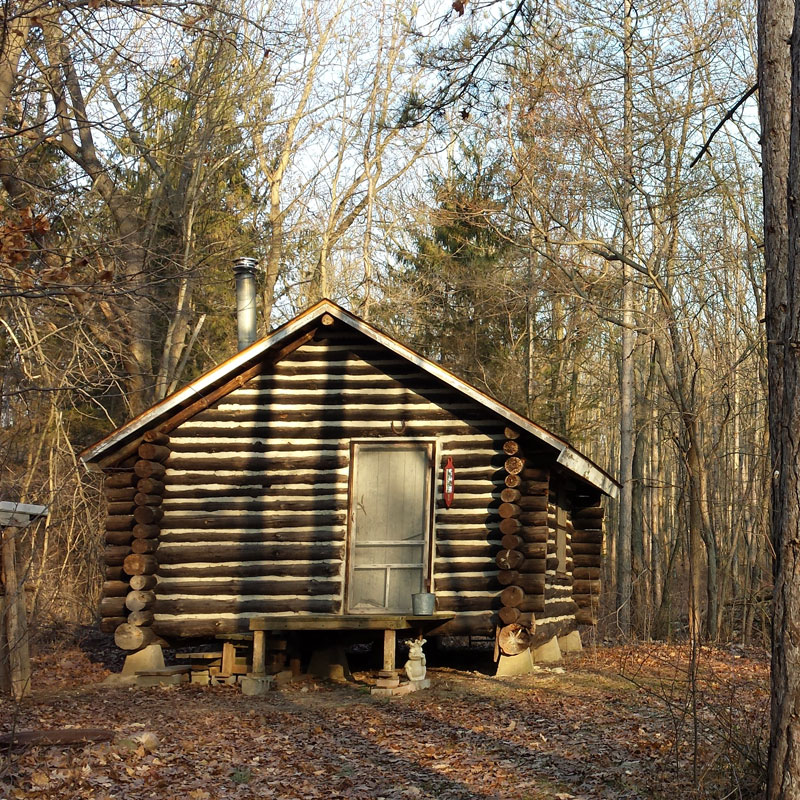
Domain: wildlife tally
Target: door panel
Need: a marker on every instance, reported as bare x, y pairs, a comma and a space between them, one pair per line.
390, 515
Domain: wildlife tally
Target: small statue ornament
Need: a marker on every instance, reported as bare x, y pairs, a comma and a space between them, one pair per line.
415, 666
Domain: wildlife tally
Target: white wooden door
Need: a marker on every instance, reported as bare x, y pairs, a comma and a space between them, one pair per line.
390, 524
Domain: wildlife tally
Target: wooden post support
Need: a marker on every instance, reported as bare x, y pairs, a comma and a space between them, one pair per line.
259, 653
389, 645
19, 660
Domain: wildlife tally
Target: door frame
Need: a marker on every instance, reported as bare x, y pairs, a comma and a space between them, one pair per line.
429, 547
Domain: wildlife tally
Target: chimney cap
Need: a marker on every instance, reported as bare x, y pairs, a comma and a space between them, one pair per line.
245, 264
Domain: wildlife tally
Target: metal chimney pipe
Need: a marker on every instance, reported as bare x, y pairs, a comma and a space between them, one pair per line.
244, 270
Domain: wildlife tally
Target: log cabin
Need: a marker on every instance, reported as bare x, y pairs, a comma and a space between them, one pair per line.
324, 475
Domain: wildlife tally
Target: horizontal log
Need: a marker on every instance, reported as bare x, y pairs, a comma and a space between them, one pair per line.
341, 414
508, 559
112, 607
586, 616
466, 583
110, 624
509, 614
120, 480
148, 515
511, 542
587, 587
586, 561
142, 499
509, 510
263, 551
510, 525
532, 503
118, 537
533, 518
120, 507
153, 452
140, 618
586, 548
114, 573
150, 486
513, 639
222, 522
115, 588
122, 522
510, 495
313, 605
533, 550
288, 534
487, 602
120, 495
593, 513
140, 600
586, 573
133, 637
144, 545
532, 565
140, 564
536, 474
114, 555
319, 569
143, 582
586, 525
514, 465
534, 533
512, 481
511, 447
453, 550
146, 531
587, 537
156, 437
511, 433
512, 596
263, 586
586, 600
535, 488
531, 583
149, 469
479, 534
246, 505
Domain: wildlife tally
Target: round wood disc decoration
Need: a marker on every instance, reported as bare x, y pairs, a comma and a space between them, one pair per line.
449, 482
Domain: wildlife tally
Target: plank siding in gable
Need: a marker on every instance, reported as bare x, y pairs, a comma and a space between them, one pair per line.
255, 502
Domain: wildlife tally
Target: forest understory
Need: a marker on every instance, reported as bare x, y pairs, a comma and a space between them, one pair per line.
613, 722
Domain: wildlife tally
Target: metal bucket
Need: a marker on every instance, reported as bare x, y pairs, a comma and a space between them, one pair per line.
423, 604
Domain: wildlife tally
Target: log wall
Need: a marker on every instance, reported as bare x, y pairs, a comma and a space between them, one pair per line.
587, 537
256, 490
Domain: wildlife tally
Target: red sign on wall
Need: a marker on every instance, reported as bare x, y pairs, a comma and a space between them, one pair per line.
449, 482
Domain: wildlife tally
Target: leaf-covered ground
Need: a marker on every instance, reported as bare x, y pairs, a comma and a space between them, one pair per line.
612, 723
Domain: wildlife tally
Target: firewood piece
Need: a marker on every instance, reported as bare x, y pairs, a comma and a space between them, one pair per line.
118, 537
156, 437
150, 469
142, 499
143, 582
146, 531
147, 515
508, 510
115, 555
56, 736
513, 639
509, 559
140, 618
150, 486
115, 588
511, 448
140, 564
110, 624
133, 637
514, 465
120, 480
119, 523
112, 607
153, 452
512, 596
144, 545
139, 600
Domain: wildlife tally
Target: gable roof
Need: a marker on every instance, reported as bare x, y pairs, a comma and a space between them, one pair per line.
106, 451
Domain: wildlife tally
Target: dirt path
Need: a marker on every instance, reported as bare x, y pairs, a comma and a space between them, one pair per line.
583, 732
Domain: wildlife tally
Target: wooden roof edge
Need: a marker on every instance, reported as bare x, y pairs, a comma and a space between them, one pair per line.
571, 459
